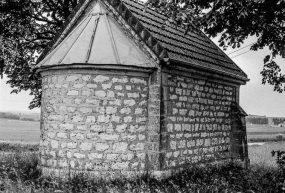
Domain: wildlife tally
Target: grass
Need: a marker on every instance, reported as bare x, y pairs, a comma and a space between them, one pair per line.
265, 138
19, 131
19, 172
261, 155
18, 147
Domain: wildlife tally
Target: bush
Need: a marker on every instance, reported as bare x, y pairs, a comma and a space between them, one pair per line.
19, 147
279, 137
20, 172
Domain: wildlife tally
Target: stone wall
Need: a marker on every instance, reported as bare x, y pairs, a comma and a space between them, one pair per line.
93, 121
196, 120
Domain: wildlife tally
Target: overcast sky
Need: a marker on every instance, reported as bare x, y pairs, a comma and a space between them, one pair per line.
255, 98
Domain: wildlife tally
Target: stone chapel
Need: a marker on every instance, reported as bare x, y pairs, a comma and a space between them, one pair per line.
123, 92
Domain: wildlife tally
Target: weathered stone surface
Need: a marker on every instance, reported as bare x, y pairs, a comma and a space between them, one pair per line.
101, 146
101, 78
85, 146
195, 118
105, 122
72, 93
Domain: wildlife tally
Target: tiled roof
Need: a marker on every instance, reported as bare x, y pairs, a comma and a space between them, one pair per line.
169, 42
193, 49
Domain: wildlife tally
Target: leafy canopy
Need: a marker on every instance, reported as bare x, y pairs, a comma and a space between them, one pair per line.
27, 26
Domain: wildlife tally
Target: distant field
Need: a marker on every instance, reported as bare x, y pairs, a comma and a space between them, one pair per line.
19, 131
252, 129
263, 133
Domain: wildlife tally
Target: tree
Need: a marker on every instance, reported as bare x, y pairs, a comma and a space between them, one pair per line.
29, 25
235, 20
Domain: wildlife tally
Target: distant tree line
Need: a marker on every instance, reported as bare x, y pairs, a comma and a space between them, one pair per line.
264, 120
9, 116
6, 115
277, 121
257, 120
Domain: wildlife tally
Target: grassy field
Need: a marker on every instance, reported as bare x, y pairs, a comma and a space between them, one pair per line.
19, 131
19, 172
262, 133
261, 154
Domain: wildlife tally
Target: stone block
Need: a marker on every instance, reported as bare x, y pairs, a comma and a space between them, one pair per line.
121, 128
100, 93
66, 126
79, 155
141, 119
91, 85
110, 94
78, 101
93, 136
125, 110
137, 147
112, 156
92, 156
106, 86
138, 81
82, 127
78, 85
101, 78
51, 135
86, 93
111, 110
71, 145
120, 165
85, 146
90, 119
72, 78
62, 135
72, 93
103, 119
115, 118
109, 137
120, 146
133, 95
97, 128
127, 156
54, 144
120, 80
85, 110
77, 118
63, 163
118, 87
129, 102
76, 136
102, 146
93, 101
128, 119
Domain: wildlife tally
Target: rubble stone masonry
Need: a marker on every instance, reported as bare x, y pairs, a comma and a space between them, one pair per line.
116, 120
93, 121
196, 123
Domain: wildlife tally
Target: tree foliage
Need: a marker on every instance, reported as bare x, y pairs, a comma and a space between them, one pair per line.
27, 26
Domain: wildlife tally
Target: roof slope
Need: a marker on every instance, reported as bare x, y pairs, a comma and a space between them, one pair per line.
97, 39
192, 49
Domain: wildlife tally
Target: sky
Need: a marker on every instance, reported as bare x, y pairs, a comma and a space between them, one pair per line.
255, 98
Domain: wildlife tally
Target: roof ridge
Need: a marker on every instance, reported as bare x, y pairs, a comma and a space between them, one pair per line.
145, 35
